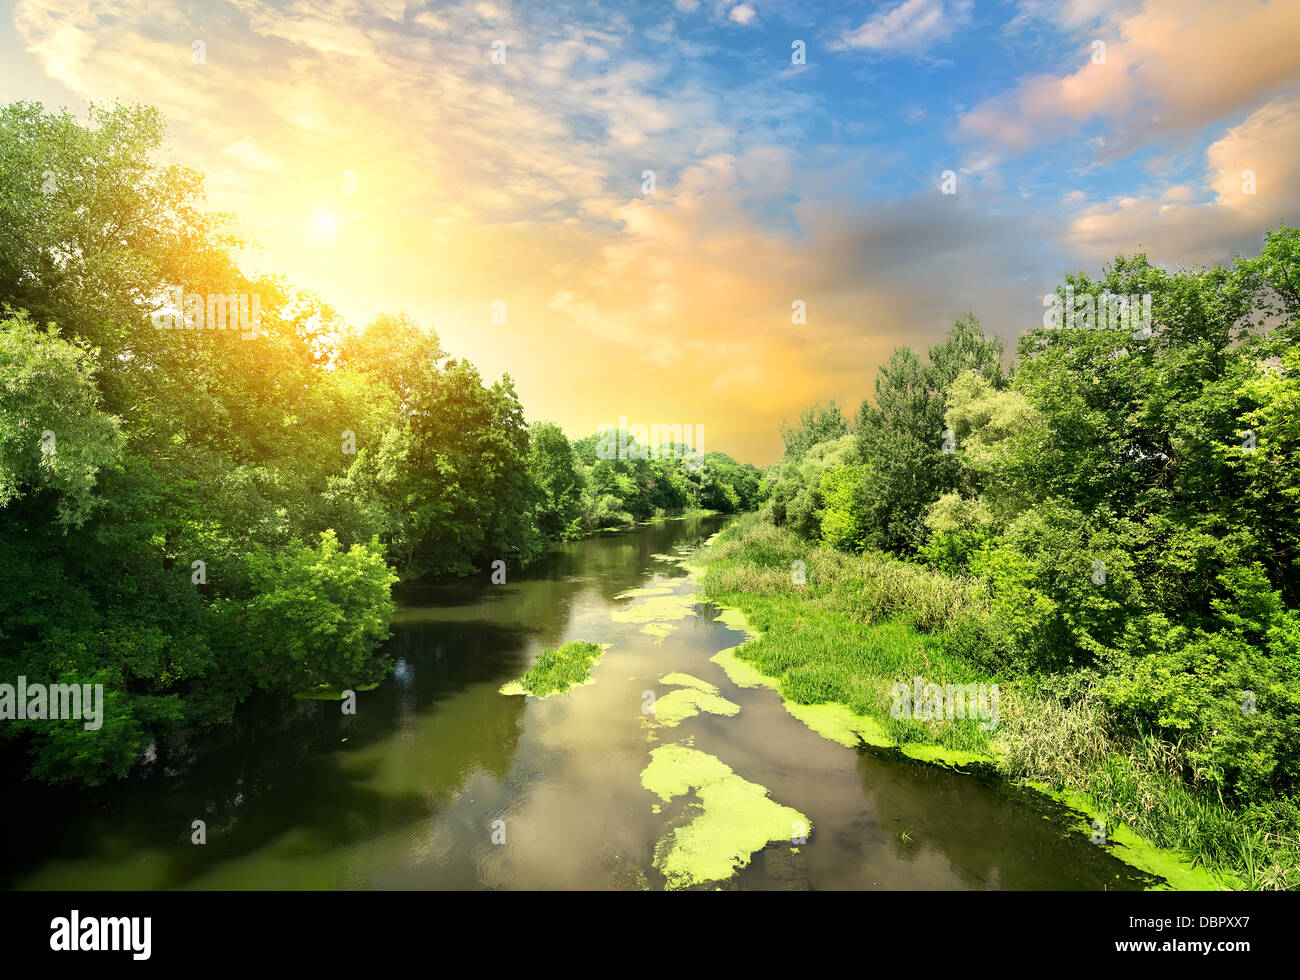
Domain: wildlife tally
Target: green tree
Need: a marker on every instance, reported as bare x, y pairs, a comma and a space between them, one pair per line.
53, 435
553, 466
318, 616
816, 424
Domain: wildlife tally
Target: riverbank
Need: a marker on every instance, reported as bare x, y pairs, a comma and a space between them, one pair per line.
834, 634
656, 770
673, 515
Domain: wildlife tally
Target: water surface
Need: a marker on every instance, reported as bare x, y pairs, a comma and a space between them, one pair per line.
407, 793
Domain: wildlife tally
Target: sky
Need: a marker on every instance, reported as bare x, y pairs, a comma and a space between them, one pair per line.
883, 167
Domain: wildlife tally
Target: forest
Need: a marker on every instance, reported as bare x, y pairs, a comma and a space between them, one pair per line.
1107, 523
191, 515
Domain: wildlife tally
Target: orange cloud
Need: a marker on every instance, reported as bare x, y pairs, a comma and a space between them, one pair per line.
1165, 71
1254, 173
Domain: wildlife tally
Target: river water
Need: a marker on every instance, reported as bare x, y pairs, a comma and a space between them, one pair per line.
441, 782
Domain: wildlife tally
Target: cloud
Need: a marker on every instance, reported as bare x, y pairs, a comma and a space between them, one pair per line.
1068, 14
521, 182
911, 27
250, 155
1165, 72
742, 13
1205, 224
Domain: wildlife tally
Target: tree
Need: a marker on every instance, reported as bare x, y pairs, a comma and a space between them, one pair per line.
53, 435
318, 617
816, 424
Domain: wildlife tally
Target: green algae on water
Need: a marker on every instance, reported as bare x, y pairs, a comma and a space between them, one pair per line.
678, 679
834, 721
327, 693
1136, 851
734, 619
693, 697
942, 755
840, 724
738, 817
740, 672
555, 671
660, 608
649, 590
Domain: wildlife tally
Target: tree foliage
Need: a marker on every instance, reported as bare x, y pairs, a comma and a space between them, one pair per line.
189, 515
1129, 501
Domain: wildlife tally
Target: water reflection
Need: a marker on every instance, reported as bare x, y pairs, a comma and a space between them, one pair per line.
407, 792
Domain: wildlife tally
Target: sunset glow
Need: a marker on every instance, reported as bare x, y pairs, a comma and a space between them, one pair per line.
467, 181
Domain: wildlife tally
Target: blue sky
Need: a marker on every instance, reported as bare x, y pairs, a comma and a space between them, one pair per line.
521, 182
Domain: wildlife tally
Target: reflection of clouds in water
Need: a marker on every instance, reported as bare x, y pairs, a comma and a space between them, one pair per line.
402, 673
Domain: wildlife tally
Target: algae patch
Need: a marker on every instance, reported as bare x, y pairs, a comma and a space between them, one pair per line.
740, 672
658, 630
657, 609
834, 721
327, 693
679, 679
1135, 851
734, 619
839, 724
693, 697
943, 756
738, 817
555, 671
649, 590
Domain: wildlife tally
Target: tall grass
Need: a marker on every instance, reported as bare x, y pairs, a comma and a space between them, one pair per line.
851, 631
860, 623
1143, 782
560, 669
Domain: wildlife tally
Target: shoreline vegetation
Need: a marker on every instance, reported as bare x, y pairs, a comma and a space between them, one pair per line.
851, 726
1104, 527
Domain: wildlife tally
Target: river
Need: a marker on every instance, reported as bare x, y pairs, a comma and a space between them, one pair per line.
441, 782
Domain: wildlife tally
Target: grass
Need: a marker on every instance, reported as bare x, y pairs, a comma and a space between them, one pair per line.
843, 637
861, 623
555, 671
1140, 782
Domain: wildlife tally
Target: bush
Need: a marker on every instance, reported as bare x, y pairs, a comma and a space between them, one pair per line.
319, 617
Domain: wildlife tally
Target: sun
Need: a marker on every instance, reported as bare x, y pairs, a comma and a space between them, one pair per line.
326, 226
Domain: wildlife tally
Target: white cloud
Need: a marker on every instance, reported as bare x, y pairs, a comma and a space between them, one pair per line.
910, 28
1182, 223
743, 13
